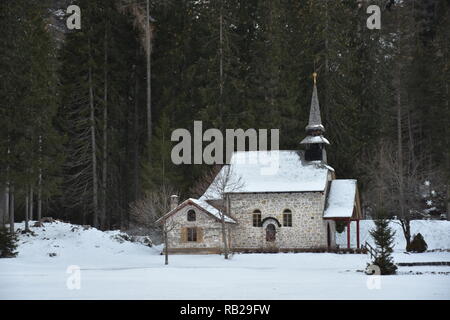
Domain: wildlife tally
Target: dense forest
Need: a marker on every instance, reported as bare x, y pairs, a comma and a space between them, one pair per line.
86, 115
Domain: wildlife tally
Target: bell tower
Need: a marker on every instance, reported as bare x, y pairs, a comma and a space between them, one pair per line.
315, 141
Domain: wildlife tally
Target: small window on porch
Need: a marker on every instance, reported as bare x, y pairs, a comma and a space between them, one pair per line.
191, 215
257, 218
192, 234
287, 218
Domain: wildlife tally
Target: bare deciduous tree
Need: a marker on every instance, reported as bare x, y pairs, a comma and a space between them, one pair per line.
220, 184
168, 225
152, 206
385, 180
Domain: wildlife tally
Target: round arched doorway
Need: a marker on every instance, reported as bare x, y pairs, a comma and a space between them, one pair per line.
270, 232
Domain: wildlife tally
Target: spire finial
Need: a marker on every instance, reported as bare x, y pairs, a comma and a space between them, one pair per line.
315, 77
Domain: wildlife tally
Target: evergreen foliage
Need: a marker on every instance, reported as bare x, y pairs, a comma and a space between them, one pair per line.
8, 243
340, 226
30, 143
383, 236
73, 115
418, 244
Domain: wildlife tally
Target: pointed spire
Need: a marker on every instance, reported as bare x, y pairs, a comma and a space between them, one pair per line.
315, 141
315, 121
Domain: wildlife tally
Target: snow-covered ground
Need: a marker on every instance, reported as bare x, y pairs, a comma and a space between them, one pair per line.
110, 269
435, 232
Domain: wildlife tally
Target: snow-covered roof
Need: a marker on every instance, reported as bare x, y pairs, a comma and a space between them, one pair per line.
212, 210
315, 139
205, 206
271, 171
341, 199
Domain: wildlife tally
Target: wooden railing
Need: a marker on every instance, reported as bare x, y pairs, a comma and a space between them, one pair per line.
371, 250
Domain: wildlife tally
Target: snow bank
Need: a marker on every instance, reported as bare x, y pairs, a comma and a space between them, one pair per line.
114, 269
435, 232
69, 241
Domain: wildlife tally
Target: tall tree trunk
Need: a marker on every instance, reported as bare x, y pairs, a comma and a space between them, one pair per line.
31, 202
166, 246
27, 210
136, 167
404, 216
411, 156
105, 136
221, 66
327, 80
448, 151
39, 193
149, 82
445, 46
93, 150
6, 204
11, 209
8, 191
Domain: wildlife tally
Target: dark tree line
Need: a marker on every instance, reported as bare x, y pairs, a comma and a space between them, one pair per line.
73, 122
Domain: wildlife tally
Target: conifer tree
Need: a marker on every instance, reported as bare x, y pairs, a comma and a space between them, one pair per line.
100, 104
229, 63
29, 106
8, 243
383, 236
160, 172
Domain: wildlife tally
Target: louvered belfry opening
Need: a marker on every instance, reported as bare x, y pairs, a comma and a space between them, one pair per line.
314, 152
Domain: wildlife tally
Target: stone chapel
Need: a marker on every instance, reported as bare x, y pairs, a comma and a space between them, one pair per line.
286, 200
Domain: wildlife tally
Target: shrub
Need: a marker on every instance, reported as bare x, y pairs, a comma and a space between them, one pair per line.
340, 226
418, 244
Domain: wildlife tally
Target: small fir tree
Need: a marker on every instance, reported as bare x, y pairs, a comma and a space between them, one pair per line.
418, 244
8, 243
383, 236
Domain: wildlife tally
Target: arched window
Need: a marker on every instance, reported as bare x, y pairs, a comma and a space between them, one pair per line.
191, 215
287, 218
257, 218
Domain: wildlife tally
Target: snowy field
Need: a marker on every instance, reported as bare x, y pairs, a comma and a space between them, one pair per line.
113, 270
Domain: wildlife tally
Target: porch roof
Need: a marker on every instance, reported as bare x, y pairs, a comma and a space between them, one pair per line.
342, 200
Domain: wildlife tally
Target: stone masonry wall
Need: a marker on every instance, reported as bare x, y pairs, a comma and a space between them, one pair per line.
308, 230
211, 229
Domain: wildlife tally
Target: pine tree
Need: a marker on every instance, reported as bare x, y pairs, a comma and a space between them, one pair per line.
160, 172
418, 244
229, 63
29, 101
383, 236
101, 115
8, 243
78, 114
